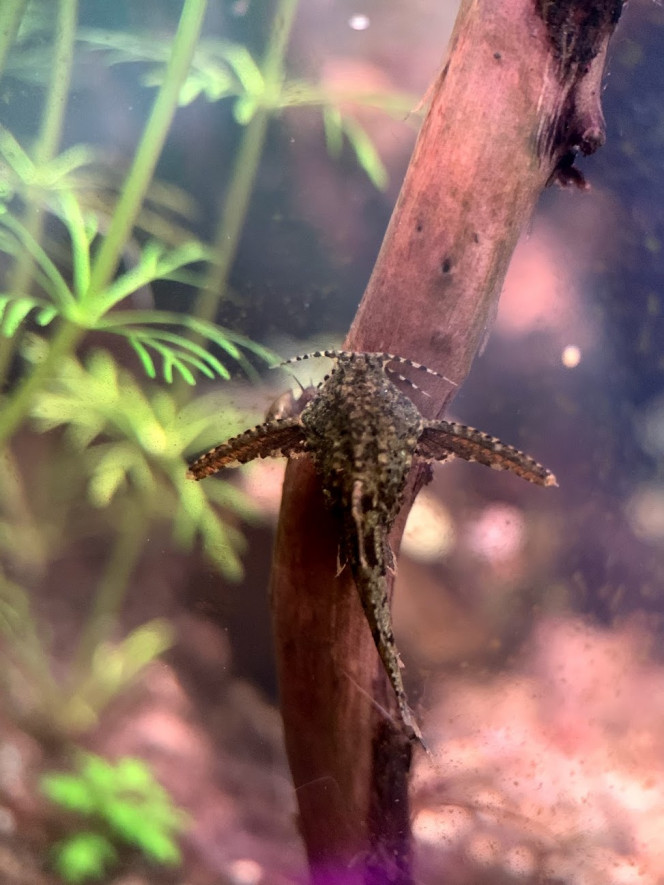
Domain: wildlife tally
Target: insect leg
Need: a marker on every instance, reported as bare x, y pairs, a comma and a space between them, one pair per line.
270, 440
441, 440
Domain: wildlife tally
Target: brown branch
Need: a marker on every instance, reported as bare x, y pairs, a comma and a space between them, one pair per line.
517, 97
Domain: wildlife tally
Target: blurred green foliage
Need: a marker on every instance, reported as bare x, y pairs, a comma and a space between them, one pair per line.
86, 248
95, 310
117, 805
76, 263
65, 708
87, 242
129, 442
224, 70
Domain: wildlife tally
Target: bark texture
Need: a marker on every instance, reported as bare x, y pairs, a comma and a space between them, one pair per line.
516, 99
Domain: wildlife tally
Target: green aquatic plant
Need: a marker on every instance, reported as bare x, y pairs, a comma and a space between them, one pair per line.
11, 14
75, 267
48, 136
89, 310
86, 173
260, 90
66, 706
339, 126
20, 174
99, 273
118, 805
130, 448
80, 307
133, 444
224, 70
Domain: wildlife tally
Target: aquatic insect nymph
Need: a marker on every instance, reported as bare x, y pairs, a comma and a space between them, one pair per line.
364, 435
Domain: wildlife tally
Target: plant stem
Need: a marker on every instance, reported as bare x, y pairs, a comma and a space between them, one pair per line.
45, 148
236, 202
17, 406
56, 103
113, 587
11, 13
149, 149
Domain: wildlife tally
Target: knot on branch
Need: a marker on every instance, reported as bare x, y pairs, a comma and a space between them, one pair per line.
578, 32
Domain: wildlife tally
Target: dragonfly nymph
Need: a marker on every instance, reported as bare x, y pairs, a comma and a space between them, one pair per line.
364, 435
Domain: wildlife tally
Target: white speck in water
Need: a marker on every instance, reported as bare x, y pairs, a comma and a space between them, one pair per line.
359, 22
571, 356
246, 872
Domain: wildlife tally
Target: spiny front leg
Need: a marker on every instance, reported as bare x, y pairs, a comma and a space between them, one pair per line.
270, 440
442, 440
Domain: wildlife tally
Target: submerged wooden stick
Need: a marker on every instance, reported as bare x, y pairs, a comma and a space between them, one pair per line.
517, 97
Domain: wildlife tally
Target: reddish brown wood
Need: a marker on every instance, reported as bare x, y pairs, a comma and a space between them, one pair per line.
506, 112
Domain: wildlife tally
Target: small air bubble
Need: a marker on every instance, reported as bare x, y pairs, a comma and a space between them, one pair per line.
359, 22
571, 356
